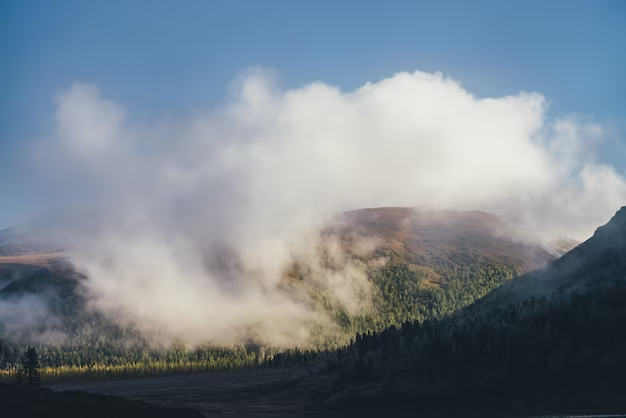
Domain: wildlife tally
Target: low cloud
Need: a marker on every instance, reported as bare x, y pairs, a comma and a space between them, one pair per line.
27, 319
188, 227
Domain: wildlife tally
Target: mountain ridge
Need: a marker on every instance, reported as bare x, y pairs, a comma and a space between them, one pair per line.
600, 258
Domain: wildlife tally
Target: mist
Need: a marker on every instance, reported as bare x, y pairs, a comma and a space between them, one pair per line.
27, 319
189, 227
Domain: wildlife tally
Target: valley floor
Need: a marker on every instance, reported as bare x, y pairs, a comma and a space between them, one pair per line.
264, 393
276, 393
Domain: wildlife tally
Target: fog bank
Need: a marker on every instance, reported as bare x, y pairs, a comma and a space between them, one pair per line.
188, 226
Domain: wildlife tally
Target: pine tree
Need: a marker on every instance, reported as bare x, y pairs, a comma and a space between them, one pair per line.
30, 366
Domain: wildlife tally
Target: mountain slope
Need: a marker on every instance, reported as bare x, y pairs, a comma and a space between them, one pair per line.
600, 259
434, 241
466, 249
548, 337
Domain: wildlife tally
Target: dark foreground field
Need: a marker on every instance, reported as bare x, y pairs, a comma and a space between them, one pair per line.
273, 393
263, 393
24, 402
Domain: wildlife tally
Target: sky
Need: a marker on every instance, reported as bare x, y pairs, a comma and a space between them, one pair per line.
166, 59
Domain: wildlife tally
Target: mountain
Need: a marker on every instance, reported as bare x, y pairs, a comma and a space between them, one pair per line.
600, 259
550, 341
465, 254
427, 240
436, 263
432, 241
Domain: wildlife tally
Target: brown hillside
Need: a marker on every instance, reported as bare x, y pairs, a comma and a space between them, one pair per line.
435, 240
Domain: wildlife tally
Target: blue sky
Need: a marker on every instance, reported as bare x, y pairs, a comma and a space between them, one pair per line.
163, 58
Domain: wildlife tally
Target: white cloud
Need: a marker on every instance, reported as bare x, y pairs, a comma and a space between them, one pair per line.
188, 227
